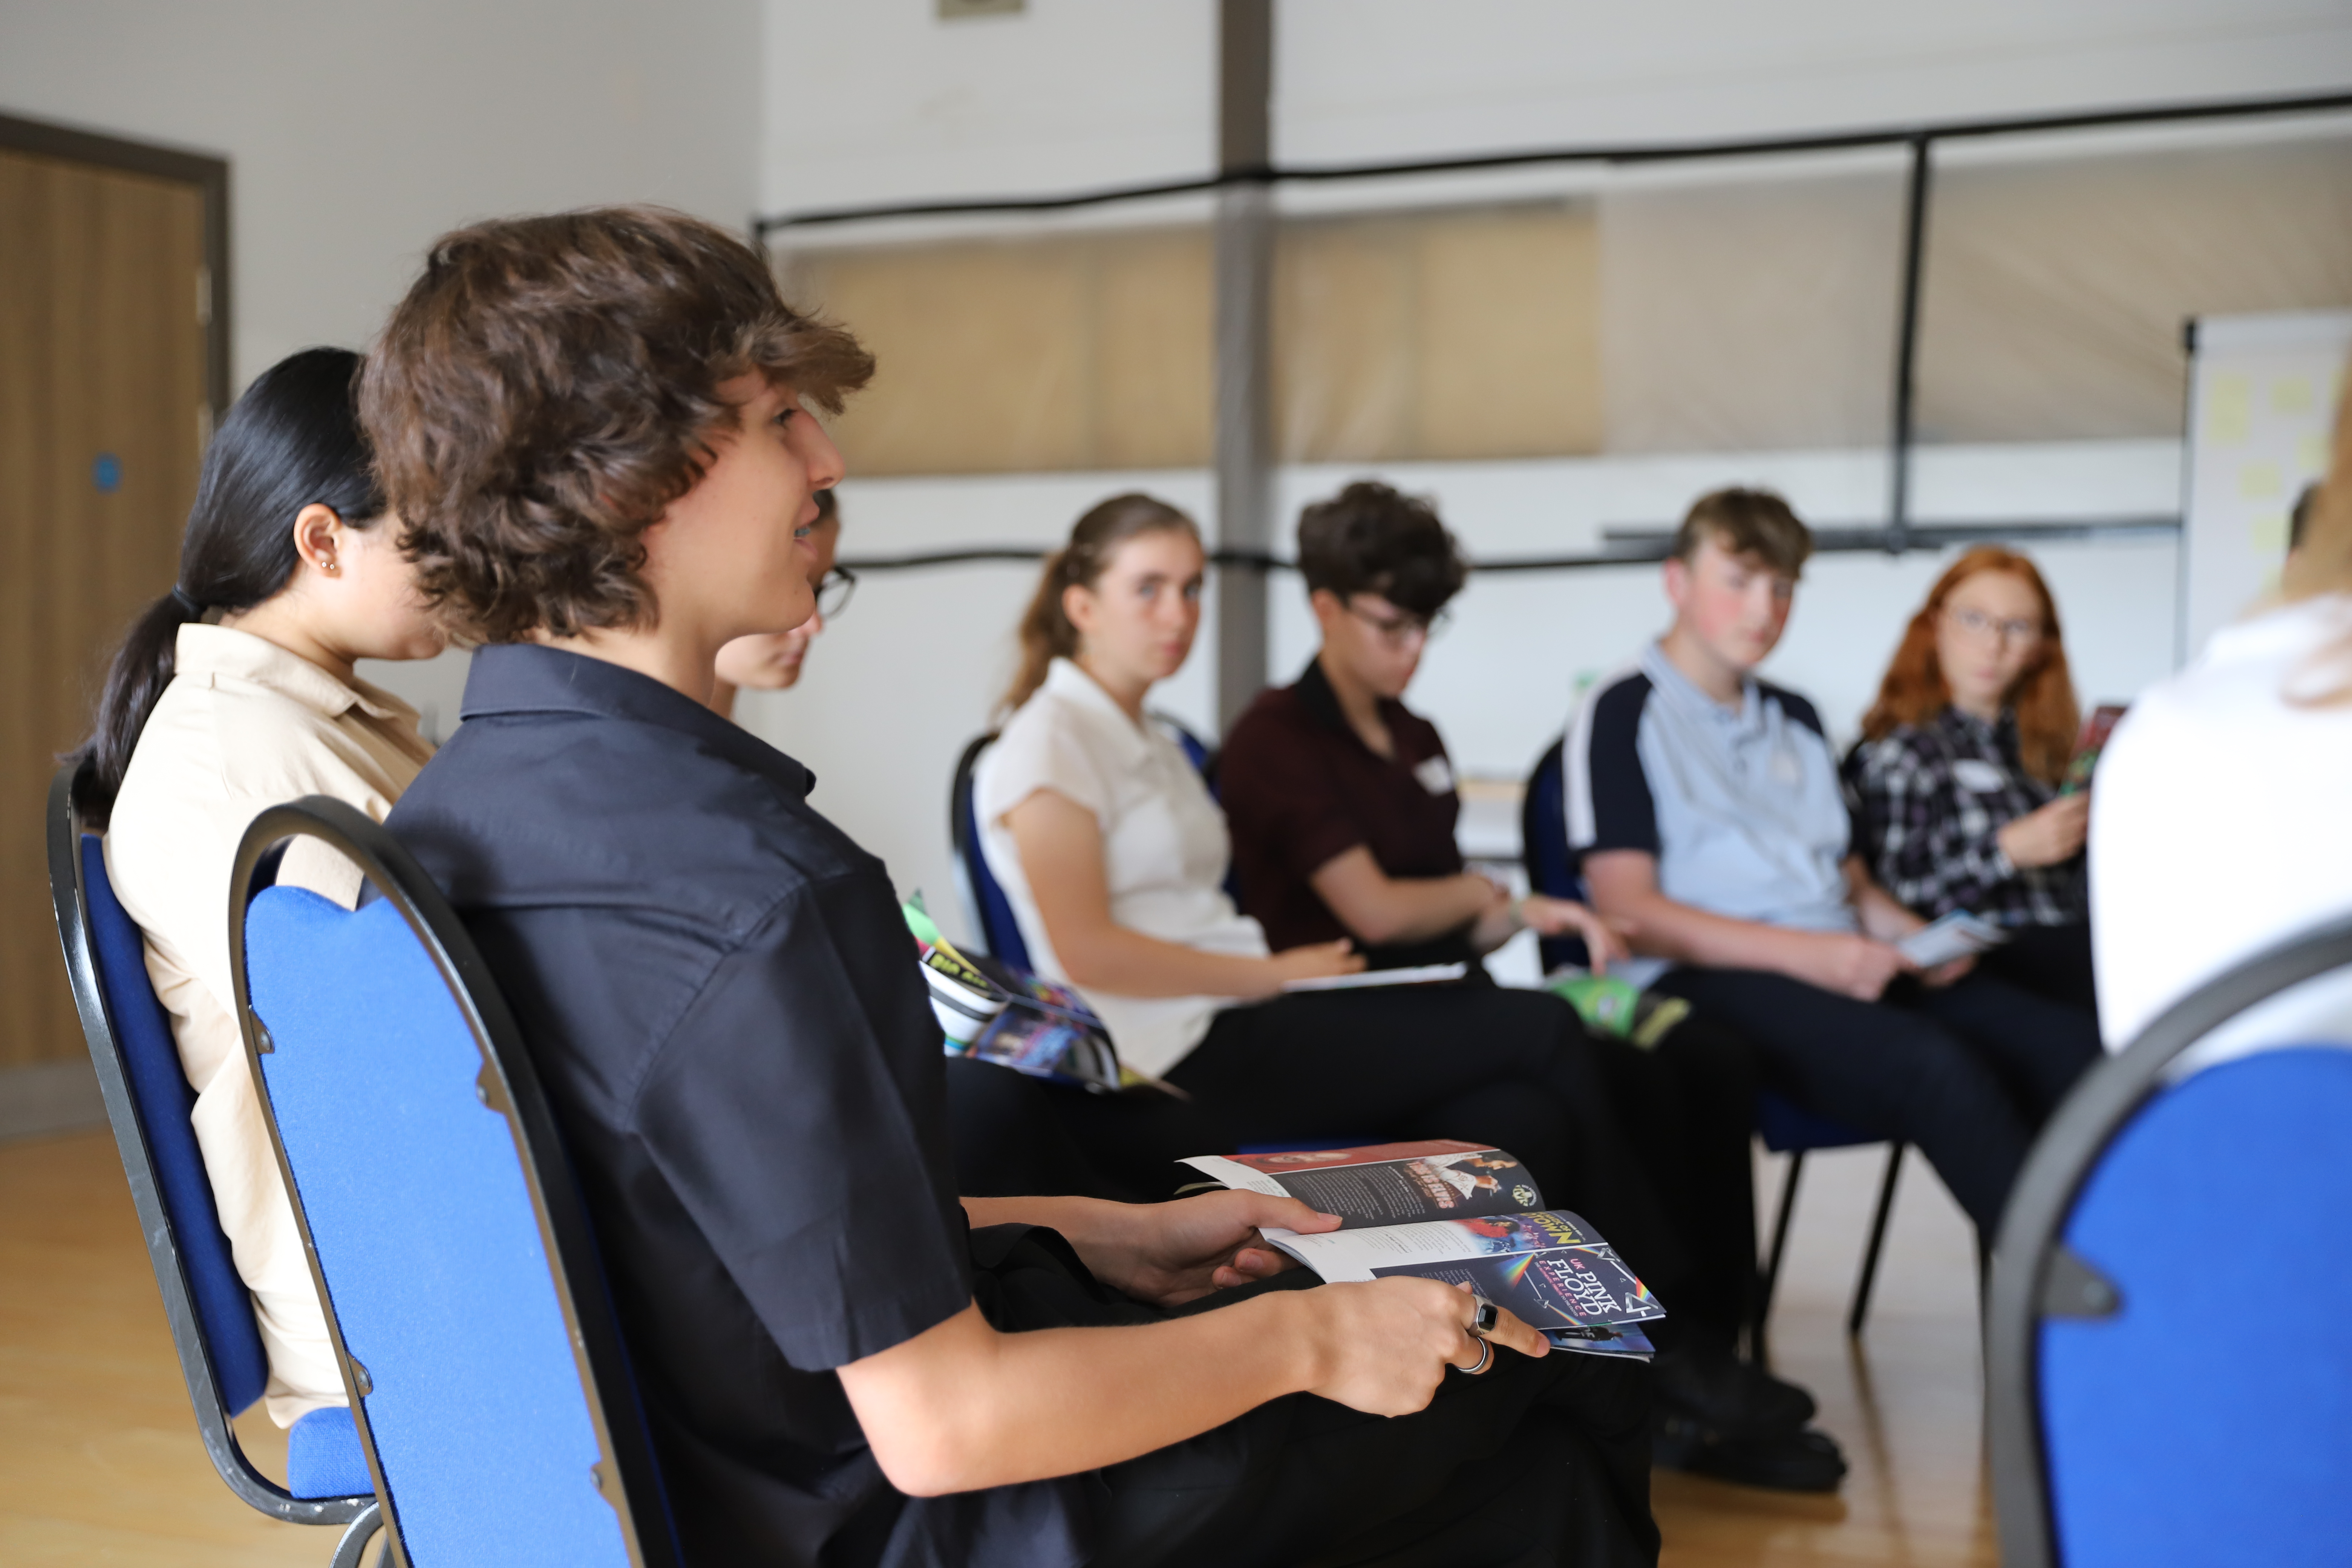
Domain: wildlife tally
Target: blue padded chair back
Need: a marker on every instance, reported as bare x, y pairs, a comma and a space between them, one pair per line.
1543, 848
991, 912
494, 1401
2169, 1381
148, 1104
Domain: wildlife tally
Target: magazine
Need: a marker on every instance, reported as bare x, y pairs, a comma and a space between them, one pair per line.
996, 1013
1423, 974
2088, 745
1467, 1214
1955, 935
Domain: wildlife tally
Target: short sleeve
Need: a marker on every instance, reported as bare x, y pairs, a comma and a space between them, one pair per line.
1282, 800
797, 1111
1610, 806
1043, 748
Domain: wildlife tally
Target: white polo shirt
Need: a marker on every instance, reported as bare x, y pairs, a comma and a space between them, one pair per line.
2222, 812
244, 726
1165, 848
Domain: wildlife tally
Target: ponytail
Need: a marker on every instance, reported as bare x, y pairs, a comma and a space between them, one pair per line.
292, 440
1047, 633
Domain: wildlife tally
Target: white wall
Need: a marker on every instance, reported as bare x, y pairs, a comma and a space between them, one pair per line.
880, 101
356, 133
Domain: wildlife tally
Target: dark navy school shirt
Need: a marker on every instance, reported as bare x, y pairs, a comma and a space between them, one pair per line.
717, 989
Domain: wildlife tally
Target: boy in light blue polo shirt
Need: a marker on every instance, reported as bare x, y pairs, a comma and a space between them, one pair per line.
1706, 808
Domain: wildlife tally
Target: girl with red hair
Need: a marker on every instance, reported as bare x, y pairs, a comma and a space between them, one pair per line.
1957, 774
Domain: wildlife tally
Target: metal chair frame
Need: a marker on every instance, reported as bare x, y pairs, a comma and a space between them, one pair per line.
69, 819
629, 1474
2035, 1276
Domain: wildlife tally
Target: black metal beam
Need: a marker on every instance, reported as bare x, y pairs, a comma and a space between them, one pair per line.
1600, 153
1630, 546
1906, 345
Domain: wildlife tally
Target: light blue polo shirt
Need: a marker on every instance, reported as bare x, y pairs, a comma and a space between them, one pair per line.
1742, 806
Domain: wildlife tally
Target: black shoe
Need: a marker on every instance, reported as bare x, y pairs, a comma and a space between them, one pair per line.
1806, 1461
1726, 1397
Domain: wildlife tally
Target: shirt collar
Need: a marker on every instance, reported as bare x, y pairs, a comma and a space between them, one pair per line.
1066, 680
510, 678
1314, 692
204, 650
1680, 688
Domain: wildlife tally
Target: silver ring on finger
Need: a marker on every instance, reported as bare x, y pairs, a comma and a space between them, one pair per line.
1485, 1354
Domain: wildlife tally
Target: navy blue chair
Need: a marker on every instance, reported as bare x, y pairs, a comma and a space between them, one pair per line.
1787, 1128
490, 1386
2169, 1378
148, 1103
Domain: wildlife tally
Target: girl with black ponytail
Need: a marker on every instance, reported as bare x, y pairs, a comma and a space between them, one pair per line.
232, 693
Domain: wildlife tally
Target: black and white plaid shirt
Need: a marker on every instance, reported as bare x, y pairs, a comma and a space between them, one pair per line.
1928, 801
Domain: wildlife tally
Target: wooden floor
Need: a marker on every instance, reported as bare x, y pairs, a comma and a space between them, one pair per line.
99, 1462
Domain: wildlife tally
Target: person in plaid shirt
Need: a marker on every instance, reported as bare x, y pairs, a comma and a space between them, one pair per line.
1955, 782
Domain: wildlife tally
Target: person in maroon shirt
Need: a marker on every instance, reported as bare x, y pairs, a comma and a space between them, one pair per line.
1342, 806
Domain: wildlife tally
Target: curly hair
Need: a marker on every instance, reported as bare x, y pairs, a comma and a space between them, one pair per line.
1914, 691
1372, 539
550, 385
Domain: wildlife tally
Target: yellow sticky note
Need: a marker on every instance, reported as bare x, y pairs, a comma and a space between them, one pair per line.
2259, 481
2310, 454
2291, 395
2228, 410
2266, 533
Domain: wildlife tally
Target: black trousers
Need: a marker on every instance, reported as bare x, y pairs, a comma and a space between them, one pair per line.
1967, 1072
1017, 1136
1532, 1463
1651, 1146
2049, 961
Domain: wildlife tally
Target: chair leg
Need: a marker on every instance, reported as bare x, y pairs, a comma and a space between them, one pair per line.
1861, 1310
353, 1547
1783, 1212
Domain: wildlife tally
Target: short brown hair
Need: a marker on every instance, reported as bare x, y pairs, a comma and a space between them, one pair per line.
1371, 538
1746, 522
550, 385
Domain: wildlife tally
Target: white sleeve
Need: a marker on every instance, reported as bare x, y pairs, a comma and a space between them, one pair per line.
1040, 749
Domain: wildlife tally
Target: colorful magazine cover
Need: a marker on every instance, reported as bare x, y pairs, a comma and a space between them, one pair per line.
1465, 1214
993, 1012
1385, 1182
2088, 745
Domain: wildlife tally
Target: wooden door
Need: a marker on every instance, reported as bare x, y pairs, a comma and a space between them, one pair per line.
103, 298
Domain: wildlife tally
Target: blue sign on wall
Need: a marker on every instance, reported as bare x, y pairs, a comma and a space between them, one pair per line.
106, 473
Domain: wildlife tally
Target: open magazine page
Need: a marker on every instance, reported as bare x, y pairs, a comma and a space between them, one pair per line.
1550, 1268
1385, 1184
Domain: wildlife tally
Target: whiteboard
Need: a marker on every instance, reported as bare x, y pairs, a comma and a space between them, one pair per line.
2262, 398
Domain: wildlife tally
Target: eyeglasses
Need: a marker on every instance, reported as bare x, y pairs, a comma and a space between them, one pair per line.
1977, 624
833, 592
1403, 631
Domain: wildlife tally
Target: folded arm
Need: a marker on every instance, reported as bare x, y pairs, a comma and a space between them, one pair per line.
1624, 885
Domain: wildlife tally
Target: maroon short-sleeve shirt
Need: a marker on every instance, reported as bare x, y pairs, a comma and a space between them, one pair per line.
1300, 788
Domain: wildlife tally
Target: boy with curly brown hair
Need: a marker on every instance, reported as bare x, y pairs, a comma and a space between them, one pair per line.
597, 428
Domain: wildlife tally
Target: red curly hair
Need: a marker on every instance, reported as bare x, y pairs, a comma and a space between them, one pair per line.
2044, 697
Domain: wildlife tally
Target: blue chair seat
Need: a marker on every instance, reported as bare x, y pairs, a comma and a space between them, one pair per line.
323, 1456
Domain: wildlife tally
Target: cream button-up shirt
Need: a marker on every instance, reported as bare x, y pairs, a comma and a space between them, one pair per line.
244, 726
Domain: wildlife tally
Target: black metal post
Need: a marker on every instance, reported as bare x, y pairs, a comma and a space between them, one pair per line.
1907, 348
